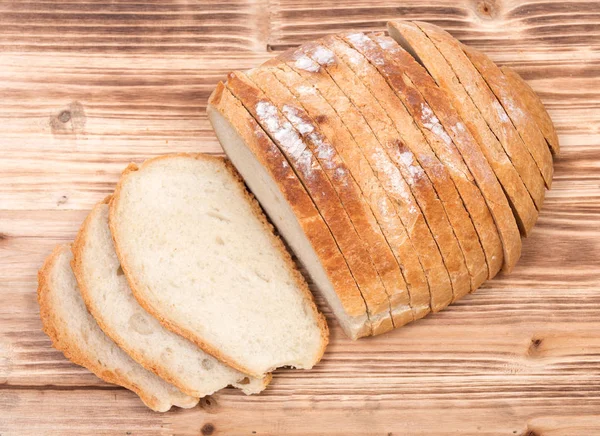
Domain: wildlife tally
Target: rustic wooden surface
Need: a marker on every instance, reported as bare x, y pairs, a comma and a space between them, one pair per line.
87, 86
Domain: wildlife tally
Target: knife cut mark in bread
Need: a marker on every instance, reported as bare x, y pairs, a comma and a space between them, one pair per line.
74, 332
491, 110
347, 189
333, 119
534, 106
522, 121
110, 301
200, 256
284, 199
324, 196
496, 177
389, 175
436, 170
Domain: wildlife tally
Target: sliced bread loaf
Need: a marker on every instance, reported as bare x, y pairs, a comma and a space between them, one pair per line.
109, 299
321, 190
491, 110
74, 332
290, 208
200, 256
335, 127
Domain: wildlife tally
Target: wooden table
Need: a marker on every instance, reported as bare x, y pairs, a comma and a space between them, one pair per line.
87, 86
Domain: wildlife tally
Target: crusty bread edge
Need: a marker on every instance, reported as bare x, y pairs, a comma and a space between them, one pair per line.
72, 351
135, 285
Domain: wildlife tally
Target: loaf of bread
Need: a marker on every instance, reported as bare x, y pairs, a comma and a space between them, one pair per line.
74, 332
109, 299
199, 255
413, 158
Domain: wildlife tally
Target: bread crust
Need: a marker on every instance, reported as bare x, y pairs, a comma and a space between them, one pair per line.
137, 287
421, 189
406, 116
73, 351
534, 106
348, 191
522, 120
495, 176
78, 247
332, 125
490, 109
388, 174
323, 195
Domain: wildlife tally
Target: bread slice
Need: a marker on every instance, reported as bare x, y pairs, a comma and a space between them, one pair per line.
497, 179
109, 299
323, 194
400, 108
401, 156
200, 256
516, 110
346, 188
74, 332
534, 106
274, 183
490, 109
339, 93
336, 129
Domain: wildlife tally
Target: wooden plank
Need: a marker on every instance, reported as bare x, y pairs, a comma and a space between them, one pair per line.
87, 86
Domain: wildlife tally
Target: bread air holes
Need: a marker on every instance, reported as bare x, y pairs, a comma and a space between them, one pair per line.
207, 364
219, 240
138, 323
120, 271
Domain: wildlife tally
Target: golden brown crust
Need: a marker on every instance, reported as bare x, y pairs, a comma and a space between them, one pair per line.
71, 350
405, 111
327, 200
136, 286
269, 156
534, 106
516, 110
333, 127
409, 214
421, 191
478, 132
480, 155
468, 186
491, 109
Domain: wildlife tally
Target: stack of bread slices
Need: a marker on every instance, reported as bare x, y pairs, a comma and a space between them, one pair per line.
402, 170
176, 286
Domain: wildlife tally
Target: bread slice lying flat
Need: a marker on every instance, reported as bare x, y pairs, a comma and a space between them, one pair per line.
109, 299
200, 256
74, 332
290, 208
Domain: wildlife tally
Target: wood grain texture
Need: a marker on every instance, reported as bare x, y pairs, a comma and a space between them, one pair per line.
88, 86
